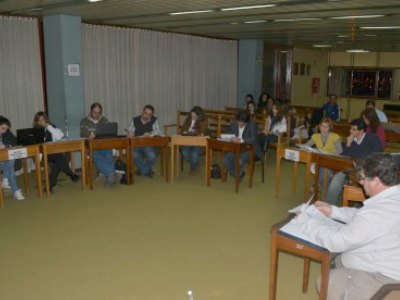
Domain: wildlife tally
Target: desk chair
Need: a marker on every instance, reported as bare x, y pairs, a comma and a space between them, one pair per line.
387, 292
352, 194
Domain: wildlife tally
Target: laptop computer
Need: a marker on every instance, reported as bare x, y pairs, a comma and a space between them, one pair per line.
30, 136
107, 130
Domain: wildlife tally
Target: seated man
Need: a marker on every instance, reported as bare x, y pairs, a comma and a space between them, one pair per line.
381, 115
331, 108
359, 144
145, 125
103, 159
245, 131
369, 242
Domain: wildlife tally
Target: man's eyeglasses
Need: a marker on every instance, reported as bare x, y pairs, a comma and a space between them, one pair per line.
361, 178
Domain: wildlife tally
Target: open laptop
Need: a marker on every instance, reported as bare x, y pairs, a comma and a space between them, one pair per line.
107, 130
30, 136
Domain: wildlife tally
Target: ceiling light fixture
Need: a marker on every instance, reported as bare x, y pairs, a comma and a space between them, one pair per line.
297, 19
234, 23
248, 7
356, 17
357, 51
369, 35
191, 12
342, 36
94, 1
380, 27
322, 46
255, 21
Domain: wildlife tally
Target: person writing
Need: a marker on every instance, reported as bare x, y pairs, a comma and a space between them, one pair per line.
368, 243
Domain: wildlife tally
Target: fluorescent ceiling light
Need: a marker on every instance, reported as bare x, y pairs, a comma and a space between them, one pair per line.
368, 35
322, 46
357, 51
234, 23
95, 0
380, 27
248, 7
342, 36
297, 19
356, 17
255, 21
191, 12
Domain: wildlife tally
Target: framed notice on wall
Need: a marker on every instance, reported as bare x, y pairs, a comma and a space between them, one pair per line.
73, 70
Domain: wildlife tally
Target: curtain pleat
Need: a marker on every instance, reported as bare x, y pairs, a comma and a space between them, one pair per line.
21, 89
125, 69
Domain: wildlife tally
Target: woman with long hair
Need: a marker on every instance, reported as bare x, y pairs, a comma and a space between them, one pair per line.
58, 161
275, 126
196, 124
373, 124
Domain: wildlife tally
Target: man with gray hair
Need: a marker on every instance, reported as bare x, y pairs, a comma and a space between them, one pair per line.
369, 242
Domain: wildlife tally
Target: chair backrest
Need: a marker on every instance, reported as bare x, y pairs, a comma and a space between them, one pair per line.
353, 194
387, 292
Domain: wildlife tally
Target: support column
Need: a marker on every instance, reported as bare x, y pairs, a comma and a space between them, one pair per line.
63, 63
250, 69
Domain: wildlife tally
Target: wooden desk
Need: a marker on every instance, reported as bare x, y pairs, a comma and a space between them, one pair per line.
304, 157
108, 144
64, 146
180, 140
161, 142
33, 152
329, 162
237, 148
283, 242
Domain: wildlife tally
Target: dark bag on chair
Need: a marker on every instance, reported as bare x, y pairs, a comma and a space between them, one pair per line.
120, 167
216, 171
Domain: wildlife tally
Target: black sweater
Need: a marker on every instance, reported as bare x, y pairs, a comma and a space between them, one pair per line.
8, 139
370, 144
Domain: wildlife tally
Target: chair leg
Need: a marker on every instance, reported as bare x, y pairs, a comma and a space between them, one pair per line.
262, 172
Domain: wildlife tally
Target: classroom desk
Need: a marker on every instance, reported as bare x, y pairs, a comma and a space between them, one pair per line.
304, 157
64, 146
161, 141
281, 241
108, 144
237, 148
32, 151
329, 162
180, 140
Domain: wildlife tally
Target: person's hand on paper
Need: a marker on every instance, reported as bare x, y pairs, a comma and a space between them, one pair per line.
324, 208
235, 139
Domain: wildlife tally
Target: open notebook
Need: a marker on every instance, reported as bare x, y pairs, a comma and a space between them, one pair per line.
292, 228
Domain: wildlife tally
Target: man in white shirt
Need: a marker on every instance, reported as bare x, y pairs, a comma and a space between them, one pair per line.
381, 115
369, 242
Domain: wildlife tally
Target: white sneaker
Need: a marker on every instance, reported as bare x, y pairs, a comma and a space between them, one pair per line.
5, 184
18, 195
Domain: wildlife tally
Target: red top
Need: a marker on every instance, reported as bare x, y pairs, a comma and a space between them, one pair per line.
380, 133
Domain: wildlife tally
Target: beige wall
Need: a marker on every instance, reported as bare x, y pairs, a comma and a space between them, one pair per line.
301, 84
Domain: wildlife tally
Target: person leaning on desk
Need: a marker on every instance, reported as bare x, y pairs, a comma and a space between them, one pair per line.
103, 159
369, 243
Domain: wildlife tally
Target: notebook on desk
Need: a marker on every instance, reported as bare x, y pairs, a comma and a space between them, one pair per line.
30, 136
107, 130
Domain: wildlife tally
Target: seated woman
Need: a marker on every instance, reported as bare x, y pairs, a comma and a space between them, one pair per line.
371, 119
327, 141
245, 131
251, 108
275, 126
58, 161
7, 139
195, 124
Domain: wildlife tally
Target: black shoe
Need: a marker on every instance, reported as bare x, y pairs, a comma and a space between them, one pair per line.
241, 176
149, 174
74, 177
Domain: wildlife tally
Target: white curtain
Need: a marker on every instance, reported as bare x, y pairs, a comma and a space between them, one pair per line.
21, 89
124, 69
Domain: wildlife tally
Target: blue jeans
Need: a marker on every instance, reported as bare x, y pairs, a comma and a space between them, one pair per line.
229, 161
104, 161
145, 158
8, 172
192, 155
335, 189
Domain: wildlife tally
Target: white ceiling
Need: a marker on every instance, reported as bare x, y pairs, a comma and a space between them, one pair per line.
154, 14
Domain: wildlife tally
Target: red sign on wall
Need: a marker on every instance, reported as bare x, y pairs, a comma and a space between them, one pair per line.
316, 81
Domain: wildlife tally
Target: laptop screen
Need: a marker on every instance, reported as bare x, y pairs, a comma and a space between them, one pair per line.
30, 136
107, 130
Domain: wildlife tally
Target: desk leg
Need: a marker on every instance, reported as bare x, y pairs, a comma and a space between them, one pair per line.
128, 165
83, 166
325, 268
91, 171
294, 176
237, 168
208, 163
38, 175
46, 172
306, 274
162, 160
251, 169
277, 174
307, 181
1, 195
273, 268
26, 175
165, 149
133, 164
172, 162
